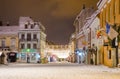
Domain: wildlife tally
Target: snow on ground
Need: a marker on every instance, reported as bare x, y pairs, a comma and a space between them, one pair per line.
58, 71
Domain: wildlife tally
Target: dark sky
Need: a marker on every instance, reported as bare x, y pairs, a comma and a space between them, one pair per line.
56, 15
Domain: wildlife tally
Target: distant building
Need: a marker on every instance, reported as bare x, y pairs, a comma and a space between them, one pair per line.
79, 23
57, 52
9, 38
32, 39
27, 40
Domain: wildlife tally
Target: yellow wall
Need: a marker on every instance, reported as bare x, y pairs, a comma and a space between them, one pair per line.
8, 40
107, 61
110, 14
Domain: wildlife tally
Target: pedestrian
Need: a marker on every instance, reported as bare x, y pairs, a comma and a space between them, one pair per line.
2, 58
28, 58
94, 51
5, 59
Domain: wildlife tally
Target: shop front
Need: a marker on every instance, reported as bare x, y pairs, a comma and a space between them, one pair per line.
29, 56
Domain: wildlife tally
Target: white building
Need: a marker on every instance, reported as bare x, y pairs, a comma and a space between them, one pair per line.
30, 39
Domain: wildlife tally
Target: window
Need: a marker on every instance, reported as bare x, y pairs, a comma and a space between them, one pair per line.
29, 37
28, 46
32, 26
3, 43
26, 26
34, 36
35, 46
22, 36
109, 54
22, 46
13, 42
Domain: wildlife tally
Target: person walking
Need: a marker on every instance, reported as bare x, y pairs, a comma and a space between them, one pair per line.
28, 58
2, 58
94, 51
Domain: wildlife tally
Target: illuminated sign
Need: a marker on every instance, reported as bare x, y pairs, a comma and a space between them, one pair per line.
29, 50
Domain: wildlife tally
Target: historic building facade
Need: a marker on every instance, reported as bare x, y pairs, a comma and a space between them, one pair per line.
82, 32
57, 52
32, 40
79, 23
8, 41
8, 38
109, 12
27, 40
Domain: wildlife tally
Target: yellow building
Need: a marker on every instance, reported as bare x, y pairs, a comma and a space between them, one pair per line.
110, 13
8, 39
42, 41
72, 44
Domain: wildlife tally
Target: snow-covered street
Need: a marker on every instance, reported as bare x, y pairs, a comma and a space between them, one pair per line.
57, 71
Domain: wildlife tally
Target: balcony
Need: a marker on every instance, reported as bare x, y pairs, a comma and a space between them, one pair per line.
23, 40
36, 40
27, 40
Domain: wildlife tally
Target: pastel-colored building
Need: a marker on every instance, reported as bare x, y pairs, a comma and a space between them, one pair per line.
109, 11
32, 39
28, 40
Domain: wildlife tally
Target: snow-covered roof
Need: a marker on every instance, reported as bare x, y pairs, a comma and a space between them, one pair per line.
29, 22
91, 19
9, 29
25, 19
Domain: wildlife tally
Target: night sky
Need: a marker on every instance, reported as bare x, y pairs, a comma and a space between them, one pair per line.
56, 15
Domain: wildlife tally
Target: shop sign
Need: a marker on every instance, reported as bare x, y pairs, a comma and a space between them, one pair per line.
29, 50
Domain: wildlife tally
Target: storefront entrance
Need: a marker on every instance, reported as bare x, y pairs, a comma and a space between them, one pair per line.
29, 56
12, 57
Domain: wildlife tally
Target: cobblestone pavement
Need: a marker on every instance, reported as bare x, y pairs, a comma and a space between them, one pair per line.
57, 71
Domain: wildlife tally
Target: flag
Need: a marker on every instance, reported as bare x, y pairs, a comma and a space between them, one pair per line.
107, 28
111, 32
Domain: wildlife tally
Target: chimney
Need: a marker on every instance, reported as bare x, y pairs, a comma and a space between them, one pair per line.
83, 6
1, 23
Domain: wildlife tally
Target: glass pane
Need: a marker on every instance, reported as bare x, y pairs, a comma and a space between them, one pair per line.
23, 56
33, 56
